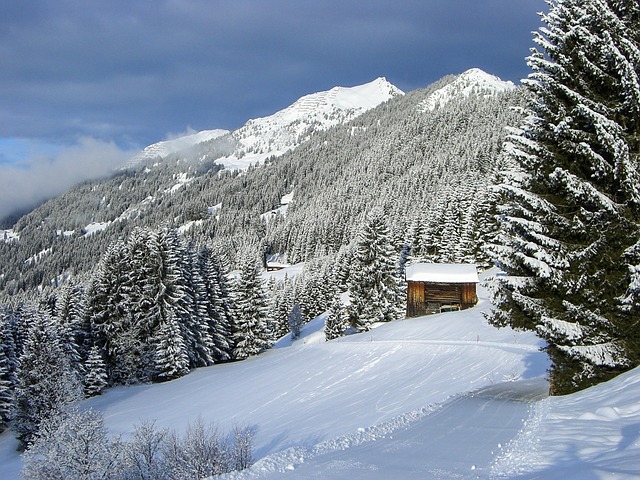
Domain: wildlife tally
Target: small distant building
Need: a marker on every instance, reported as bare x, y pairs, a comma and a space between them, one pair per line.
276, 261
440, 287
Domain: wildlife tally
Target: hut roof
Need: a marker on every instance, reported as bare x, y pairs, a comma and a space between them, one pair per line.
442, 273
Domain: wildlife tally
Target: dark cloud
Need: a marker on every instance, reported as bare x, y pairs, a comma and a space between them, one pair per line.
134, 70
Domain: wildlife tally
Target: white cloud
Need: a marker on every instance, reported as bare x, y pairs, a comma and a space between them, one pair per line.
187, 132
40, 177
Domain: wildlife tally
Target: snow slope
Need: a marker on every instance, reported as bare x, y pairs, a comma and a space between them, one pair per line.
443, 396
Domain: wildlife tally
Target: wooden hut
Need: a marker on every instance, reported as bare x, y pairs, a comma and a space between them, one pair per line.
440, 287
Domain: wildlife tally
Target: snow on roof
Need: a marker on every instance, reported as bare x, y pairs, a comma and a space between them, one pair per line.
442, 273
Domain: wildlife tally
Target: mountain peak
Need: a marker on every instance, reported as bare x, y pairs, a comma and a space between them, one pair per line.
473, 81
273, 135
359, 98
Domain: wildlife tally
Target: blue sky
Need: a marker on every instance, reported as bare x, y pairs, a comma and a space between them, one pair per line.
122, 75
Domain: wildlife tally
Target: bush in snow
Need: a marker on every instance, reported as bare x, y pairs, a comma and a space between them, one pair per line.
74, 444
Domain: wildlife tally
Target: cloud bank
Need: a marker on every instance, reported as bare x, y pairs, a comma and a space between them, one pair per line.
41, 177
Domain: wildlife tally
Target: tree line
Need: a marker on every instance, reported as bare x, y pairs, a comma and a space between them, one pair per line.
157, 306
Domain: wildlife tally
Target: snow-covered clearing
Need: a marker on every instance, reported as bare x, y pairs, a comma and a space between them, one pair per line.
95, 227
8, 235
443, 396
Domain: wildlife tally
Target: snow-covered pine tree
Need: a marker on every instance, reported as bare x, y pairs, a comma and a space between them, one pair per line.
45, 380
96, 378
110, 312
336, 322
251, 336
6, 392
374, 288
75, 329
8, 366
217, 306
171, 358
191, 309
281, 306
295, 321
571, 200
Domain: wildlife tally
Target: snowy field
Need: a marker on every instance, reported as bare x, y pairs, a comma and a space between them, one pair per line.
443, 397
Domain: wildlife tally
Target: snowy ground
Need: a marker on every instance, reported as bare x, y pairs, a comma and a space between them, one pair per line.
444, 396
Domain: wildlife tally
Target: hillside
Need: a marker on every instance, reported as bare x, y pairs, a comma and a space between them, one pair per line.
430, 170
396, 403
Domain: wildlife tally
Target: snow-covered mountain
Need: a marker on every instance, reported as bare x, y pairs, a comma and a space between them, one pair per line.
263, 137
168, 147
276, 134
472, 81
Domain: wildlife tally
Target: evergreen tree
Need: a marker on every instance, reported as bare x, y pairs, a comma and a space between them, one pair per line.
6, 393
216, 304
96, 379
171, 358
251, 336
8, 366
295, 321
282, 304
374, 288
46, 382
192, 311
74, 322
571, 197
110, 309
336, 321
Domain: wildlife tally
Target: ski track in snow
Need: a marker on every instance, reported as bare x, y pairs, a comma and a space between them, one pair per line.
503, 405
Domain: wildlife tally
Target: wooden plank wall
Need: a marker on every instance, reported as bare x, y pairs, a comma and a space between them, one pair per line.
421, 294
415, 299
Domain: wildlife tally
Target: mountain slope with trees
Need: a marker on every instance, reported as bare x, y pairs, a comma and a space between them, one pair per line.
429, 171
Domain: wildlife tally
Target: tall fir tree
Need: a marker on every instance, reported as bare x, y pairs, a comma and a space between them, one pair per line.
171, 358
251, 336
74, 323
8, 366
110, 311
96, 379
571, 198
216, 304
374, 286
336, 322
46, 383
295, 321
191, 309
